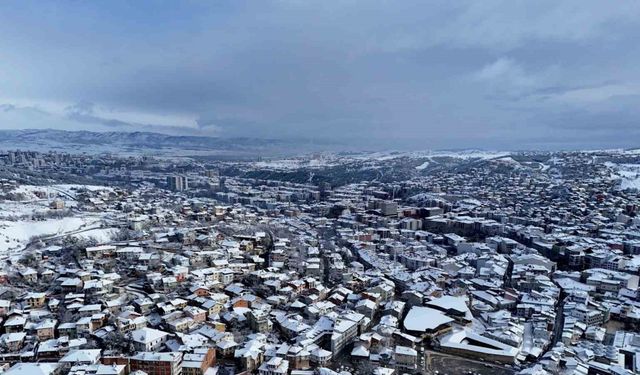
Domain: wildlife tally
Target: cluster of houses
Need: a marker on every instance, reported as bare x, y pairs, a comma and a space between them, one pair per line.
532, 273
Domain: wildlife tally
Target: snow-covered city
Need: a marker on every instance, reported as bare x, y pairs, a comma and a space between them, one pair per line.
364, 263
320, 187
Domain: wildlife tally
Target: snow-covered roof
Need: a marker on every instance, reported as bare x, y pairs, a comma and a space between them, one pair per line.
425, 319
147, 335
42, 368
450, 302
82, 356
464, 339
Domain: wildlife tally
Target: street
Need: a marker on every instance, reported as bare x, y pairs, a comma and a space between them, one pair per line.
446, 364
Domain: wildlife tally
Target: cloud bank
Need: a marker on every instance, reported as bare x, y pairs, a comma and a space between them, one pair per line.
381, 74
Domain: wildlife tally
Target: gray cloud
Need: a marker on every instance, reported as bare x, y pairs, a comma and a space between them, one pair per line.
495, 74
84, 113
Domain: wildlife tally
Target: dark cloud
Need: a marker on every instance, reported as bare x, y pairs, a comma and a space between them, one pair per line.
414, 74
83, 112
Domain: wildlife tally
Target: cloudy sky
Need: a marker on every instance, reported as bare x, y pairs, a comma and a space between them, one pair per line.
394, 74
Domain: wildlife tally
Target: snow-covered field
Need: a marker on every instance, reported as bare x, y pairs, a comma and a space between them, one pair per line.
11, 209
330, 160
100, 235
17, 226
628, 174
463, 154
284, 164
34, 193
295, 163
36, 199
423, 165
87, 187
16, 234
508, 160
29, 192
71, 188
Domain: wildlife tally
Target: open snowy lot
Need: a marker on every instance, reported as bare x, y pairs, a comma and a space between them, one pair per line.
628, 174
14, 235
36, 199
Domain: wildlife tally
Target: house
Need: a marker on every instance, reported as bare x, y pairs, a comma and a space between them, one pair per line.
454, 307
13, 341
71, 285
15, 323
167, 363
405, 358
41, 368
319, 356
226, 346
56, 348
83, 326
182, 324
29, 275
56, 204
35, 300
366, 307
45, 330
426, 322
67, 329
298, 357
143, 306
81, 357
212, 307
113, 369
128, 321
95, 252
251, 355
197, 314
259, 321
275, 366
148, 339
198, 362
5, 305
344, 332
200, 291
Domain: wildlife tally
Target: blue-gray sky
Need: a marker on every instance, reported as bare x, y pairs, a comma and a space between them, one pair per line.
398, 74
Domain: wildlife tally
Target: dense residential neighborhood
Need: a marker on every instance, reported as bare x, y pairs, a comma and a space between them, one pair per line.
371, 263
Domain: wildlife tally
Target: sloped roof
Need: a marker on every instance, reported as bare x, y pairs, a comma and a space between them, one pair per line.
423, 319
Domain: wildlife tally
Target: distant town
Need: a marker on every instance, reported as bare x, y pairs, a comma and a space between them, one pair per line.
385, 263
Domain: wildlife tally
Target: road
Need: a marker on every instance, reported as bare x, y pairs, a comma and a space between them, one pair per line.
559, 324
447, 364
63, 192
135, 291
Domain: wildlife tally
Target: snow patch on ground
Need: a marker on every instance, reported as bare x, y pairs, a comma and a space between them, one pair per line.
12, 209
16, 234
471, 202
465, 154
29, 192
53, 191
423, 166
69, 187
508, 160
100, 235
33, 203
292, 164
627, 174
330, 160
